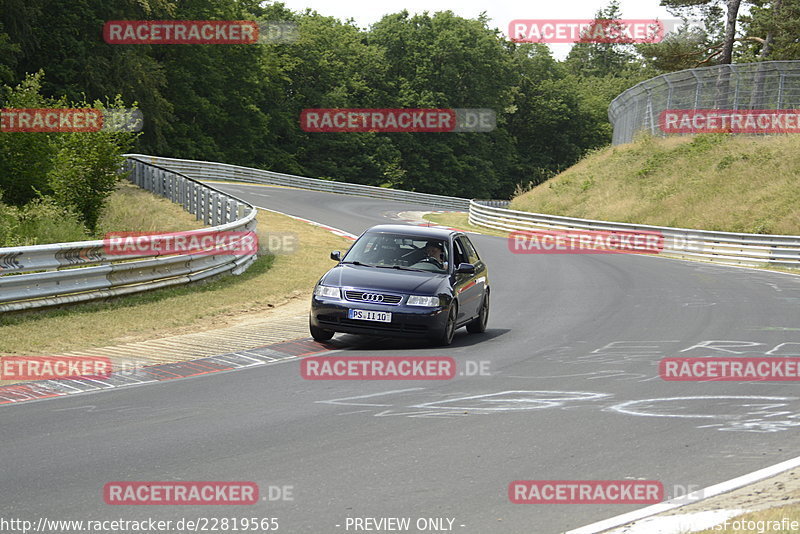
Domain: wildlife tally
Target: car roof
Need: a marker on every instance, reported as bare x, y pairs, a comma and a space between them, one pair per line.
407, 229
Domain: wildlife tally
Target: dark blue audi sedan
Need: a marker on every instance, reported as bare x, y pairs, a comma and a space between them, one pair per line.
403, 281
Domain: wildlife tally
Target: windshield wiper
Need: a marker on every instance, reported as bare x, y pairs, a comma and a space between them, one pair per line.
359, 263
400, 268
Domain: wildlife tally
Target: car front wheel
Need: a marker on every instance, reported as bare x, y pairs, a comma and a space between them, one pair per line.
320, 334
478, 325
445, 336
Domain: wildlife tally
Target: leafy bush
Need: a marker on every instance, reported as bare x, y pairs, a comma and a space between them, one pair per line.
25, 157
76, 172
84, 171
40, 221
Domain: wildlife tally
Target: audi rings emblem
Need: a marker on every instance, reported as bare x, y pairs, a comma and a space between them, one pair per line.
372, 297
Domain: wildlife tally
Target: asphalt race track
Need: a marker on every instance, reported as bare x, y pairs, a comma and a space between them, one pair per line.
573, 393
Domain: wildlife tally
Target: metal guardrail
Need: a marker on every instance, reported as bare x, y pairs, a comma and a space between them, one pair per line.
741, 86
48, 275
207, 170
719, 247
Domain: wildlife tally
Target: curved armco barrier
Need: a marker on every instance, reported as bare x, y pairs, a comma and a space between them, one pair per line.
61, 273
719, 247
765, 85
208, 170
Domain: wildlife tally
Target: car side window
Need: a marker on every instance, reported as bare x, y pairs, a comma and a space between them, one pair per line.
472, 254
458, 253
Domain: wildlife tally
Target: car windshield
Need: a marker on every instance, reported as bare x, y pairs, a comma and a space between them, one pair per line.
400, 252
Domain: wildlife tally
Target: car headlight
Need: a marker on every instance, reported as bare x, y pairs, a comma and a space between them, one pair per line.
416, 300
328, 291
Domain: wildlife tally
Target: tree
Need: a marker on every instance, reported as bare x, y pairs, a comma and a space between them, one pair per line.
684, 49
772, 27
614, 58
8, 53
711, 10
25, 157
445, 61
64, 38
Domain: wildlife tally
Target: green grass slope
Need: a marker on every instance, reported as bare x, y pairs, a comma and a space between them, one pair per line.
716, 182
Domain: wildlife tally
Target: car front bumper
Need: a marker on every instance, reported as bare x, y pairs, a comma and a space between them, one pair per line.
407, 321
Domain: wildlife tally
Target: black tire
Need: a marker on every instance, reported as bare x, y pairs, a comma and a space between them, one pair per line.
319, 334
478, 325
445, 336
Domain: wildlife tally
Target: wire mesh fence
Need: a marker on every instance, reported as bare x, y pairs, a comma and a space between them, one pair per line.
767, 85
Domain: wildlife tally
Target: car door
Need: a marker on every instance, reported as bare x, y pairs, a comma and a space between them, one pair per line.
468, 291
481, 271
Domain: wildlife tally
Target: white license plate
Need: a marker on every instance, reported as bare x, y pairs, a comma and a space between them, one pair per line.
369, 315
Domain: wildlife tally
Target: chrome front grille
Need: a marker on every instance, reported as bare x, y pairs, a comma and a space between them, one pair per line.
372, 297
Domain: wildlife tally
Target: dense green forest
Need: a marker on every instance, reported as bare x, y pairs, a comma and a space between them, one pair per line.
241, 104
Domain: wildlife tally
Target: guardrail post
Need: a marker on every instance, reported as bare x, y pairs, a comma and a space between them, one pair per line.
214, 209
151, 180
193, 200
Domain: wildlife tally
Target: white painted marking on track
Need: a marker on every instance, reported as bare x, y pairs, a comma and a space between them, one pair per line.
419, 414
628, 408
702, 494
338, 401
331, 229
515, 400
257, 362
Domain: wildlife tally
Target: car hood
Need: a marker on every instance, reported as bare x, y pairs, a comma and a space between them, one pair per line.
359, 276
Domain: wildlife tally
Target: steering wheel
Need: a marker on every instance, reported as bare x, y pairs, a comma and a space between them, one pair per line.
434, 261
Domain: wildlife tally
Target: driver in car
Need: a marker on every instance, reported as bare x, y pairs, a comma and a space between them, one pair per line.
434, 254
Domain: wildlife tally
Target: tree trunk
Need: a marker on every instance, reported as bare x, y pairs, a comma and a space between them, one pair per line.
767, 48
730, 31
757, 97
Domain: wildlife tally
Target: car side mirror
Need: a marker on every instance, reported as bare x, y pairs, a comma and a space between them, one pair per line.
336, 255
466, 268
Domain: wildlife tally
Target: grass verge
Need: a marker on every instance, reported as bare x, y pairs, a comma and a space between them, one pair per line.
131, 209
717, 182
460, 221
271, 281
